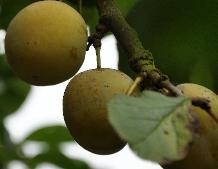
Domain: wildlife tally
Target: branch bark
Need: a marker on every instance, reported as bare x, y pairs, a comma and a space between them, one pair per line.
141, 60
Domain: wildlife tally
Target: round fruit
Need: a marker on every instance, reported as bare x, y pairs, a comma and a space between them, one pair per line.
46, 42
204, 151
85, 109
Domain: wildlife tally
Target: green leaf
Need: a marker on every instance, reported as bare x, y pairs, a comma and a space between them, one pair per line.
179, 34
53, 135
57, 158
12, 90
155, 126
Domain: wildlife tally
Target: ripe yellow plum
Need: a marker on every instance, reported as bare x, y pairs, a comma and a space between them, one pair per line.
204, 151
46, 42
85, 109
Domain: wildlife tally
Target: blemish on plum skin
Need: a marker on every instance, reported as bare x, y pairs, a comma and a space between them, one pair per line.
107, 86
73, 53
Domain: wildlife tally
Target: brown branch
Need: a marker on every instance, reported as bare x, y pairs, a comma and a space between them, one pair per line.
141, 60
95, 38
173, 90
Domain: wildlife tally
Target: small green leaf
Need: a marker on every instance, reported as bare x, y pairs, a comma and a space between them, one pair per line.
155, 126
53, 135
57, 158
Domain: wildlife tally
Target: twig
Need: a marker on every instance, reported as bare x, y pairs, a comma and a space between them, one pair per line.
140, 60
95, 38
174, 91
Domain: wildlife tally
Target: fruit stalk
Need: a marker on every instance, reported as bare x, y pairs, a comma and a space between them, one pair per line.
98, 57
135, 84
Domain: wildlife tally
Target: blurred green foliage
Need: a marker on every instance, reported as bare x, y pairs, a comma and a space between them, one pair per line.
182, 36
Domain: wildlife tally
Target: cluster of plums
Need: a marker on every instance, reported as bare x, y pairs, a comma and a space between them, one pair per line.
45, 45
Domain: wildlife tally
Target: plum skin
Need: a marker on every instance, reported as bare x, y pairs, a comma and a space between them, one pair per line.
85, 109
46, 42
